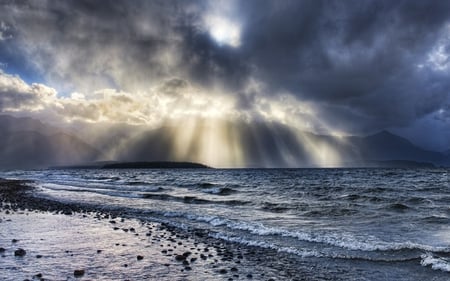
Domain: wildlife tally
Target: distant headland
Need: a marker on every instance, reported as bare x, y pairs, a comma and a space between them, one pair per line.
155, 165
136, 165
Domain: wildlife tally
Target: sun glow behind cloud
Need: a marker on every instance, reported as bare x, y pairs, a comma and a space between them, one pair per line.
221, 22
224, 31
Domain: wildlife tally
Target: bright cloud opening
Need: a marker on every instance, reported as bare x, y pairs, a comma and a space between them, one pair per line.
224, 31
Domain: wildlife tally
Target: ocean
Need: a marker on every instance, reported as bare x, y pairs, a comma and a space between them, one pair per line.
377, 224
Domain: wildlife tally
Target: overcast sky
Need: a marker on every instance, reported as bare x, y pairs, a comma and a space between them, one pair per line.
338, 67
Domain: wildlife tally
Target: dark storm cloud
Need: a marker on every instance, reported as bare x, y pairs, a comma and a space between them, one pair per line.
210, 63
367, 65
353, 56
117, 44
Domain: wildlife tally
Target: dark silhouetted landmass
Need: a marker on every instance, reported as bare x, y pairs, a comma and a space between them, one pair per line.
399, 164
385, 146
268, 144
91, 165
27, 143
155, 165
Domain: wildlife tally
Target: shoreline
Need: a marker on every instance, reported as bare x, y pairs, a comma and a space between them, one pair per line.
80, 241
177, 253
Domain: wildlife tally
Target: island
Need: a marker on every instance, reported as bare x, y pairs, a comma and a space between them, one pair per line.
155, 165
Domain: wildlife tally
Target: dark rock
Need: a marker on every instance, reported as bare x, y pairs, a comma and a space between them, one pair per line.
78, 272
20, 252
99, 251
180, 257
38, 256
249, 276
234, 269
186, 254
39, 275
223, 271
2, 249
14, 240
193, 259
139, 257
188, 268
112, 221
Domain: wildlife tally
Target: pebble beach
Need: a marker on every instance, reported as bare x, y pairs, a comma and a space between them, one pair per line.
42, 239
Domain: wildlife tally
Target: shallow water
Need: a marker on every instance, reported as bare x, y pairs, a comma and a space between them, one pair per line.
56, 245
373, 216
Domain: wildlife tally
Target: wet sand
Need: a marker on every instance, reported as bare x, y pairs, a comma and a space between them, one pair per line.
75, 242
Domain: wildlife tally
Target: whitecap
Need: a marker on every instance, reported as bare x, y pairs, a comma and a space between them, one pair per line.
436, 263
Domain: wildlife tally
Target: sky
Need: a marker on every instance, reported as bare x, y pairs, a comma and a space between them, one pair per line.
327, 67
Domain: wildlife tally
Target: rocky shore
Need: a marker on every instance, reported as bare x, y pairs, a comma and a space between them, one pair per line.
42, 239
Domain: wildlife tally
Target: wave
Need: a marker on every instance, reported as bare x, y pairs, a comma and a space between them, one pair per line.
205, 185
331, 211
247, 242
136, 183
363, 198
91, 190
211, 188
275, 207
312, 253
220, 191
200, 185
436, 262
436, 220
341, 240
398, 207
191, 199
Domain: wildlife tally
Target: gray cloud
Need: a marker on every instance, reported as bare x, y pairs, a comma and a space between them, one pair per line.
17, 95
360, 55
365, 65
89, 45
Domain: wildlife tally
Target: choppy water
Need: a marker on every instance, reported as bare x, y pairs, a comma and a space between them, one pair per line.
374, 215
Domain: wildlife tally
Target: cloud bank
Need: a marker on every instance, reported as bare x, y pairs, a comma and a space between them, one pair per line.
351, 67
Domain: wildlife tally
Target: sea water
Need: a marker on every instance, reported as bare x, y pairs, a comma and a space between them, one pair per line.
382, 220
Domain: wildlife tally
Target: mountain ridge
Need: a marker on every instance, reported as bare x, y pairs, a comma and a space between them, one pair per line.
30, 143
22, 146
